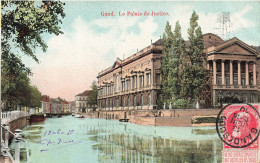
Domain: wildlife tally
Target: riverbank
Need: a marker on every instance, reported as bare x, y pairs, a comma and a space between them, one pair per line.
178, 117
100, 140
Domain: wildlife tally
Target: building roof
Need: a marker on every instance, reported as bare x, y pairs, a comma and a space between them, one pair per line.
85, 93
155, 47
55, 100
211, 42
45, 98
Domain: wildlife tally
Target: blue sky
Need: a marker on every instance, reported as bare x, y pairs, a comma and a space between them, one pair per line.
92, 42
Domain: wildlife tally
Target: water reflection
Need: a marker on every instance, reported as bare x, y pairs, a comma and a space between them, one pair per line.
113, 141
133, 148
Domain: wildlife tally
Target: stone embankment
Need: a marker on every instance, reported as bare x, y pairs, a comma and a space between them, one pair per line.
178, 117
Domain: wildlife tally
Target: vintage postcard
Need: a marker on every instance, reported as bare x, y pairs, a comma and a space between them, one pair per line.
130, 81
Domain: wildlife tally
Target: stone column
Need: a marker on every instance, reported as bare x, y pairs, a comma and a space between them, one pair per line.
231, 72
214, 72
254, 74
152, 73
239, 72
207, 65
223, 71
247, 76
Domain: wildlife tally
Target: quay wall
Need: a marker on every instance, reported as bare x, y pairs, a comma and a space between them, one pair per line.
178, 117
173, 121
189, 112
16, 124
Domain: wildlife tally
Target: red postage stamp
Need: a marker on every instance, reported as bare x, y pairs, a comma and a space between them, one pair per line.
240, 127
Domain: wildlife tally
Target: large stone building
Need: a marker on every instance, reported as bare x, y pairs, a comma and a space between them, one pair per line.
134, 83
234, 69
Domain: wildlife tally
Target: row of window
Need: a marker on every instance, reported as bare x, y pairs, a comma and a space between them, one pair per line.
82, 98
126, 102
235, 80
133, 68
242, 97
83, 105
126, 85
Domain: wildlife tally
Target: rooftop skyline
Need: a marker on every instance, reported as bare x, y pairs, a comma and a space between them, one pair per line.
92, 42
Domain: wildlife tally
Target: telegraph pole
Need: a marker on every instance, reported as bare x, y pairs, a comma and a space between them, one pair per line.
224, 24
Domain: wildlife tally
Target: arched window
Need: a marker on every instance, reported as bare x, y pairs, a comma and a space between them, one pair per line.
252, 98
134, 101
113, 104
123, 102
117, 83
149, 100
141, 101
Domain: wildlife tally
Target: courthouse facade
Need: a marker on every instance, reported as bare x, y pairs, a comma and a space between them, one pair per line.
135, 82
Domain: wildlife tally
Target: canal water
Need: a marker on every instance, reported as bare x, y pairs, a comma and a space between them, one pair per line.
73, 140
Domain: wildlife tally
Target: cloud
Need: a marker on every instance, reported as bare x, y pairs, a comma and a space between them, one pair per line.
74, 59
208, 20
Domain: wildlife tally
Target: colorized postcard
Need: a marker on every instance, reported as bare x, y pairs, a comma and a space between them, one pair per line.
130, 81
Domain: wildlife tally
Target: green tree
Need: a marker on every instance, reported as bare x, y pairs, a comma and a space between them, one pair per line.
35, 97
23, 24
175, 63
167, 46
92, 98
194, 76
15, 89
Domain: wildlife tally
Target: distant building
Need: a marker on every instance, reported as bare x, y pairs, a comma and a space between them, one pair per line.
81, 101
55, 105
45, 104
72, 106
66, 107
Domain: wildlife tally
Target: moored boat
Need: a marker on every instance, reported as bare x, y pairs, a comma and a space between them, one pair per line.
79, 116
34, 118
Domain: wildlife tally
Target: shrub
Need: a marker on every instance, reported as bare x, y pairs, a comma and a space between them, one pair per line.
182, 104
206, 120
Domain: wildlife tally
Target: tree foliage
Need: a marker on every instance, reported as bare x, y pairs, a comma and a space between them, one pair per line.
17, 90
167, 43
176, 58
35, 97
183, 74
92, 98
23, 24
195, 74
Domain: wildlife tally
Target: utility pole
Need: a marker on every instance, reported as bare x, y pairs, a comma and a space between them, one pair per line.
224, 24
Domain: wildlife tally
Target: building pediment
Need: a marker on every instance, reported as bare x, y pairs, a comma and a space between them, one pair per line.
233, 46
117, 63
235, 49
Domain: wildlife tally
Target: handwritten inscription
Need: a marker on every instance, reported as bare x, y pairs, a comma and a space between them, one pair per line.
135, 13
49, 142
58, 132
